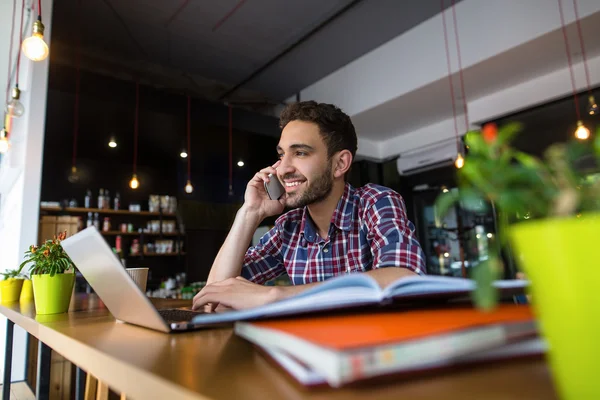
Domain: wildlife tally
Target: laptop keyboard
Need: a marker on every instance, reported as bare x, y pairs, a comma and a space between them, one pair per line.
177, 315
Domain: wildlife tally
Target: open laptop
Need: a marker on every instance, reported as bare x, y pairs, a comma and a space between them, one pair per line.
123, 298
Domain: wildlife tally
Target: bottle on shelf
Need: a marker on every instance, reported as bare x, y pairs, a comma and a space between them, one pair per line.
106, 200
117, 202
101, 199
87, 202
89, 221
96, 221
106, 224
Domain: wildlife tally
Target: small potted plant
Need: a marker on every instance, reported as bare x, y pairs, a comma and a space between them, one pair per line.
52, 274
10, 286
549, 216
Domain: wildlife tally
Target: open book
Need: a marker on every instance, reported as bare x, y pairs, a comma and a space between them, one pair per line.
358, 290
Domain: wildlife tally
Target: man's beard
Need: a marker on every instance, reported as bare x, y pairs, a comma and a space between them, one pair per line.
315, 192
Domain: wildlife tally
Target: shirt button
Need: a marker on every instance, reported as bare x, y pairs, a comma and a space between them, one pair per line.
325, 250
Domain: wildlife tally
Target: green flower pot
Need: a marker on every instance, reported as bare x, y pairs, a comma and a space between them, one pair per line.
52, 294
560, 259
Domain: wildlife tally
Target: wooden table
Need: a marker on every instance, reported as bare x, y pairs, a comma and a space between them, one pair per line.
216, 364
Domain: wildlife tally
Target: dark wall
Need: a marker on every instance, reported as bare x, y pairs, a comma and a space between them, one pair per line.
107, 109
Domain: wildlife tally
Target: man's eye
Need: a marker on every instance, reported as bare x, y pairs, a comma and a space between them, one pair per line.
280, 156
300, 153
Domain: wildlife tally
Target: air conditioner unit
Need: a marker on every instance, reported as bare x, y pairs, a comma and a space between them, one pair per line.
425, 158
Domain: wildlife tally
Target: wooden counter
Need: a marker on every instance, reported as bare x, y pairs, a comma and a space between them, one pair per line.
216, 364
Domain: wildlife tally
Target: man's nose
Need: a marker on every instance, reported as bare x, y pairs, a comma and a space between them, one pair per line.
285, 167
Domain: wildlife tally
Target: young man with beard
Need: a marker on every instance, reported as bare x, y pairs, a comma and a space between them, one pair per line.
333, 228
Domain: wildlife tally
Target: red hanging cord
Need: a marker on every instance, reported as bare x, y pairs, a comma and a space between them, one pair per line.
77, 87
450, 75
40, 8
12, 31
585, 65
228, 15
460, 69
189, 148
20, 41
230, 148
568, 49
135, 127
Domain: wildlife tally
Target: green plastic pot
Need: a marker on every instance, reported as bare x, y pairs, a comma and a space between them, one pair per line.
52, 294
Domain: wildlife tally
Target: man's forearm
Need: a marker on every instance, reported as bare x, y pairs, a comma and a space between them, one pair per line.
229, 260
383, 276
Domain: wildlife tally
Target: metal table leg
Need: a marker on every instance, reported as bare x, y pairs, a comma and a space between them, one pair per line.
79, 384
8, 347
42, 387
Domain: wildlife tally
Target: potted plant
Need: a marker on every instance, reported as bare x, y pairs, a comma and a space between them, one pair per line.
52, 274
549, 214
10, 286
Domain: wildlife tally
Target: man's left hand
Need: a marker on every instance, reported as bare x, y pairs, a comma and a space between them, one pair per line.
237, 293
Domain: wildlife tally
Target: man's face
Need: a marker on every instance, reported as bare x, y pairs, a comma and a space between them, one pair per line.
305, 170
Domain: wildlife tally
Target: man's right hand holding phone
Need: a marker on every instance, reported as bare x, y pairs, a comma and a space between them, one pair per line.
256, 198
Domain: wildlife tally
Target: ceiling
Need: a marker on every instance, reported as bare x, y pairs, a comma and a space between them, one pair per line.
246, 51
432, 103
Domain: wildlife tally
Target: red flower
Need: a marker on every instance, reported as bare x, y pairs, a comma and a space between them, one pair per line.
490, 132
32, 248
62, 235
46, 252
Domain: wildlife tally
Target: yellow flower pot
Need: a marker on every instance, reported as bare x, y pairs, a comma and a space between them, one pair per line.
52, 294
26, 291
560, 259
10, 290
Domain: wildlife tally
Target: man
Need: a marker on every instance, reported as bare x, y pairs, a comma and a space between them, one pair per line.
333, 228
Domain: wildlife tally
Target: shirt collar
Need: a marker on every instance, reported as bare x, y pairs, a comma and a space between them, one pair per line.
342, 215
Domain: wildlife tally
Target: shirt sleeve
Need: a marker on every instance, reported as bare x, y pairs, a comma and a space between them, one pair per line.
392, 235
264, 261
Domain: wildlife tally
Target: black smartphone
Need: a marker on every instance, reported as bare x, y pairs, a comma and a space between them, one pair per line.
274, 188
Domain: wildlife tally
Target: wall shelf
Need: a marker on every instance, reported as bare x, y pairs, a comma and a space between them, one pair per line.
115, 233
84, 210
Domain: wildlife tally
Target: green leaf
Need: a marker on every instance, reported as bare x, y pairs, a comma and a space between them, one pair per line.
443, 203
476, 144
473, 200
507, 133
485, 296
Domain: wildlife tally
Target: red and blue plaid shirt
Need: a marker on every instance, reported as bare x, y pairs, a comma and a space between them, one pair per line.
369, 229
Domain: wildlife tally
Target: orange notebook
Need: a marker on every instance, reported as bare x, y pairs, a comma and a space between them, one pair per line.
345, 348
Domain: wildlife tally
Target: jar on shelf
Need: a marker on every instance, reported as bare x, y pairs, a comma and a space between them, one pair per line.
106, 224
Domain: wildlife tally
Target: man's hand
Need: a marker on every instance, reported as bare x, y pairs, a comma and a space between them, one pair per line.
256, 198
237, 293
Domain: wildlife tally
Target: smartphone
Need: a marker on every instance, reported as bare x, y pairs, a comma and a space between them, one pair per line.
274, 188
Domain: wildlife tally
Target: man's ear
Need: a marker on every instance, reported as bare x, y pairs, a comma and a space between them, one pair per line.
343, 161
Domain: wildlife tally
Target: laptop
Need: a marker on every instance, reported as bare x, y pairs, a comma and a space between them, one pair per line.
106, 275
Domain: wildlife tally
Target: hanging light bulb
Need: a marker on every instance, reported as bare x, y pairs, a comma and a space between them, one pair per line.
240, 163
74, 175
593, 107
188, 187
112, 142
34, 46
14, 107
183, 154
459, 162
4, 143
582, 133
134, 183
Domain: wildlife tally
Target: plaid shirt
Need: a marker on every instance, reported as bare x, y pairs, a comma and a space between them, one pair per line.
369, 229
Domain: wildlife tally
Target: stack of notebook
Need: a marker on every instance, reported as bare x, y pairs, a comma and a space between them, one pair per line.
337, 350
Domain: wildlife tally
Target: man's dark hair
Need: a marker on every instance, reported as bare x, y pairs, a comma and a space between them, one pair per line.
335, 126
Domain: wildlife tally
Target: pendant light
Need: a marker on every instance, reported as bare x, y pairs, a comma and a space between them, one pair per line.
74, 174
112, 143
188, 186
34, 47
459, 161
134, 183
581, 132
